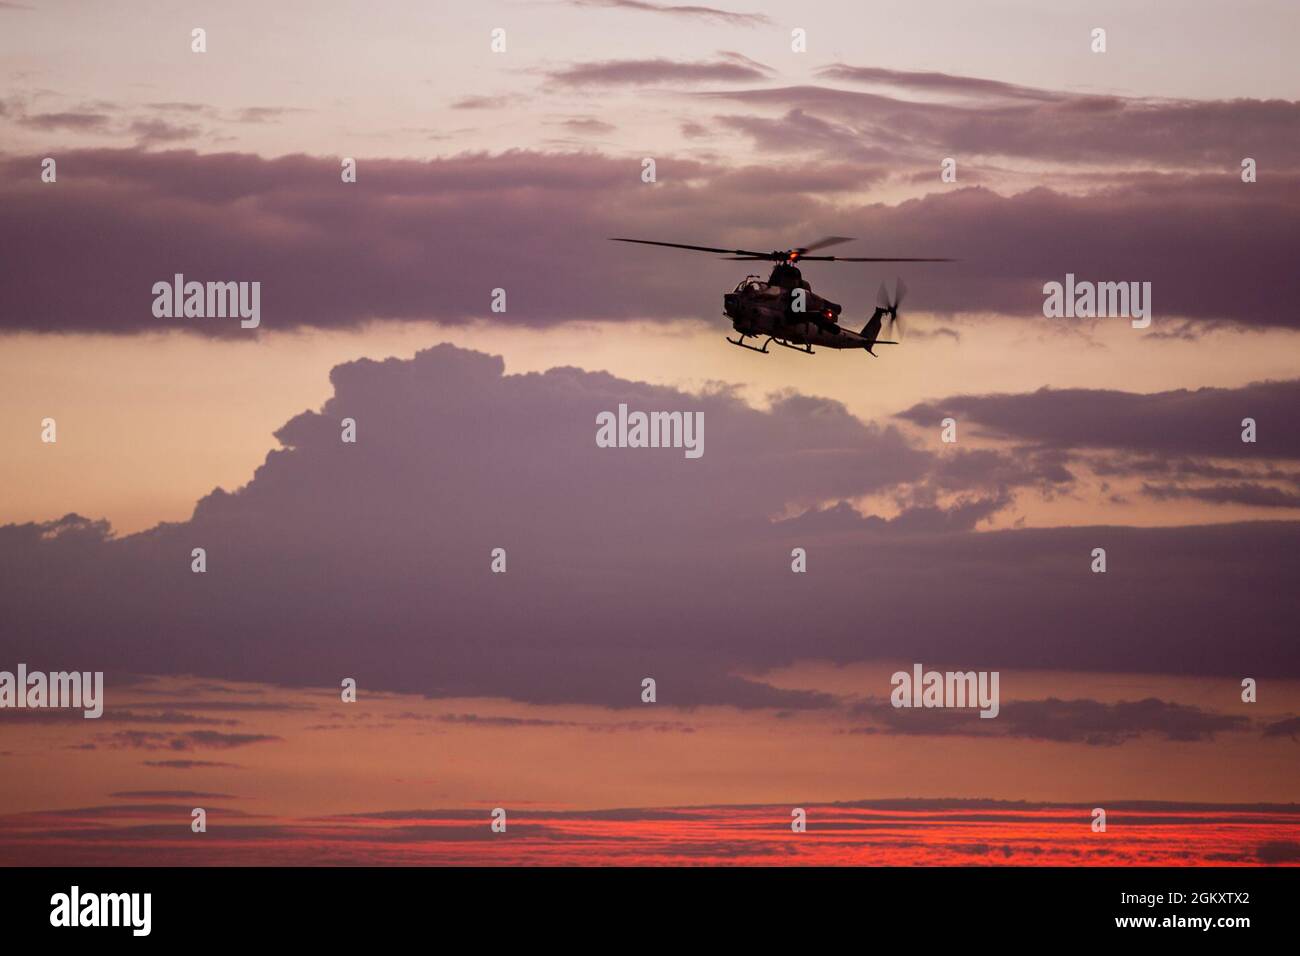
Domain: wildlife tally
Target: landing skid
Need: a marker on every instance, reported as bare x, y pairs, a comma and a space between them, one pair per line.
806, 349
753, 348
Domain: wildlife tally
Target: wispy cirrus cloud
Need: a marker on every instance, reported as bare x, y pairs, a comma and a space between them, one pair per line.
170, 795
1179, 445
1182, 444
190, 740
932, 82
729, 67
483, 102
80, 122
1288, 727
904, 832
1092, 722
684, 11
992, 119
154, 131
1253, 494
1171, 423
264, 114
588, 125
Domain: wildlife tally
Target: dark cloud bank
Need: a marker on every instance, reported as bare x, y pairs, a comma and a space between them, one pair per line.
1184, 444
431, 240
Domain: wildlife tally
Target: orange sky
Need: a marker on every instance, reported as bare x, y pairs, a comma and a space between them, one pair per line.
392, 751
149, 424
521, 165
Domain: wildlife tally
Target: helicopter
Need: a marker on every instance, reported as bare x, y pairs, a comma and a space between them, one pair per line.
787, 311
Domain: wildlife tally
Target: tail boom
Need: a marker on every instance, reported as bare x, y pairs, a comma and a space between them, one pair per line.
871, 331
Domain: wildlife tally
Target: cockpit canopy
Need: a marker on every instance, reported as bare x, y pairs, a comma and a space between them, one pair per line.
755, 286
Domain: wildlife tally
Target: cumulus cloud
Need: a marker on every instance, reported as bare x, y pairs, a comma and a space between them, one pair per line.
371, 560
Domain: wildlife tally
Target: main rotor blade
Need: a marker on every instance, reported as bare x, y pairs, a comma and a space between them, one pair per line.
822, 244
677, 245
779, 256
866, 259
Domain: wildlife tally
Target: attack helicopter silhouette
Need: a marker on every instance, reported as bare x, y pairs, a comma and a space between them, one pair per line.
787, 311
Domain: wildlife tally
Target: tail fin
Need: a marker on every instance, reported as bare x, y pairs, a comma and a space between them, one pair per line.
871, 331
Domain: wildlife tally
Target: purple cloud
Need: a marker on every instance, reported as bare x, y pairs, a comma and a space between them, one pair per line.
1013, 121
76, 122
1091, 722
151, 740
431, 240
682, 11
731, 68
372, 560
931, 82
1201, 422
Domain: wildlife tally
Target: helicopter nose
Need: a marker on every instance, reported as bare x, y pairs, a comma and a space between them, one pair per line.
729, 302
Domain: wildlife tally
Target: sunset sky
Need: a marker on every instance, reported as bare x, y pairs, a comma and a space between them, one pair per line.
479, 170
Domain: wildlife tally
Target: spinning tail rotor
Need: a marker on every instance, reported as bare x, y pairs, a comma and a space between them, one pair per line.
885, 307
890, 307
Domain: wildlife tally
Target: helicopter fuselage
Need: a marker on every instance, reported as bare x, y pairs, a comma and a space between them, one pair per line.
786, 309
